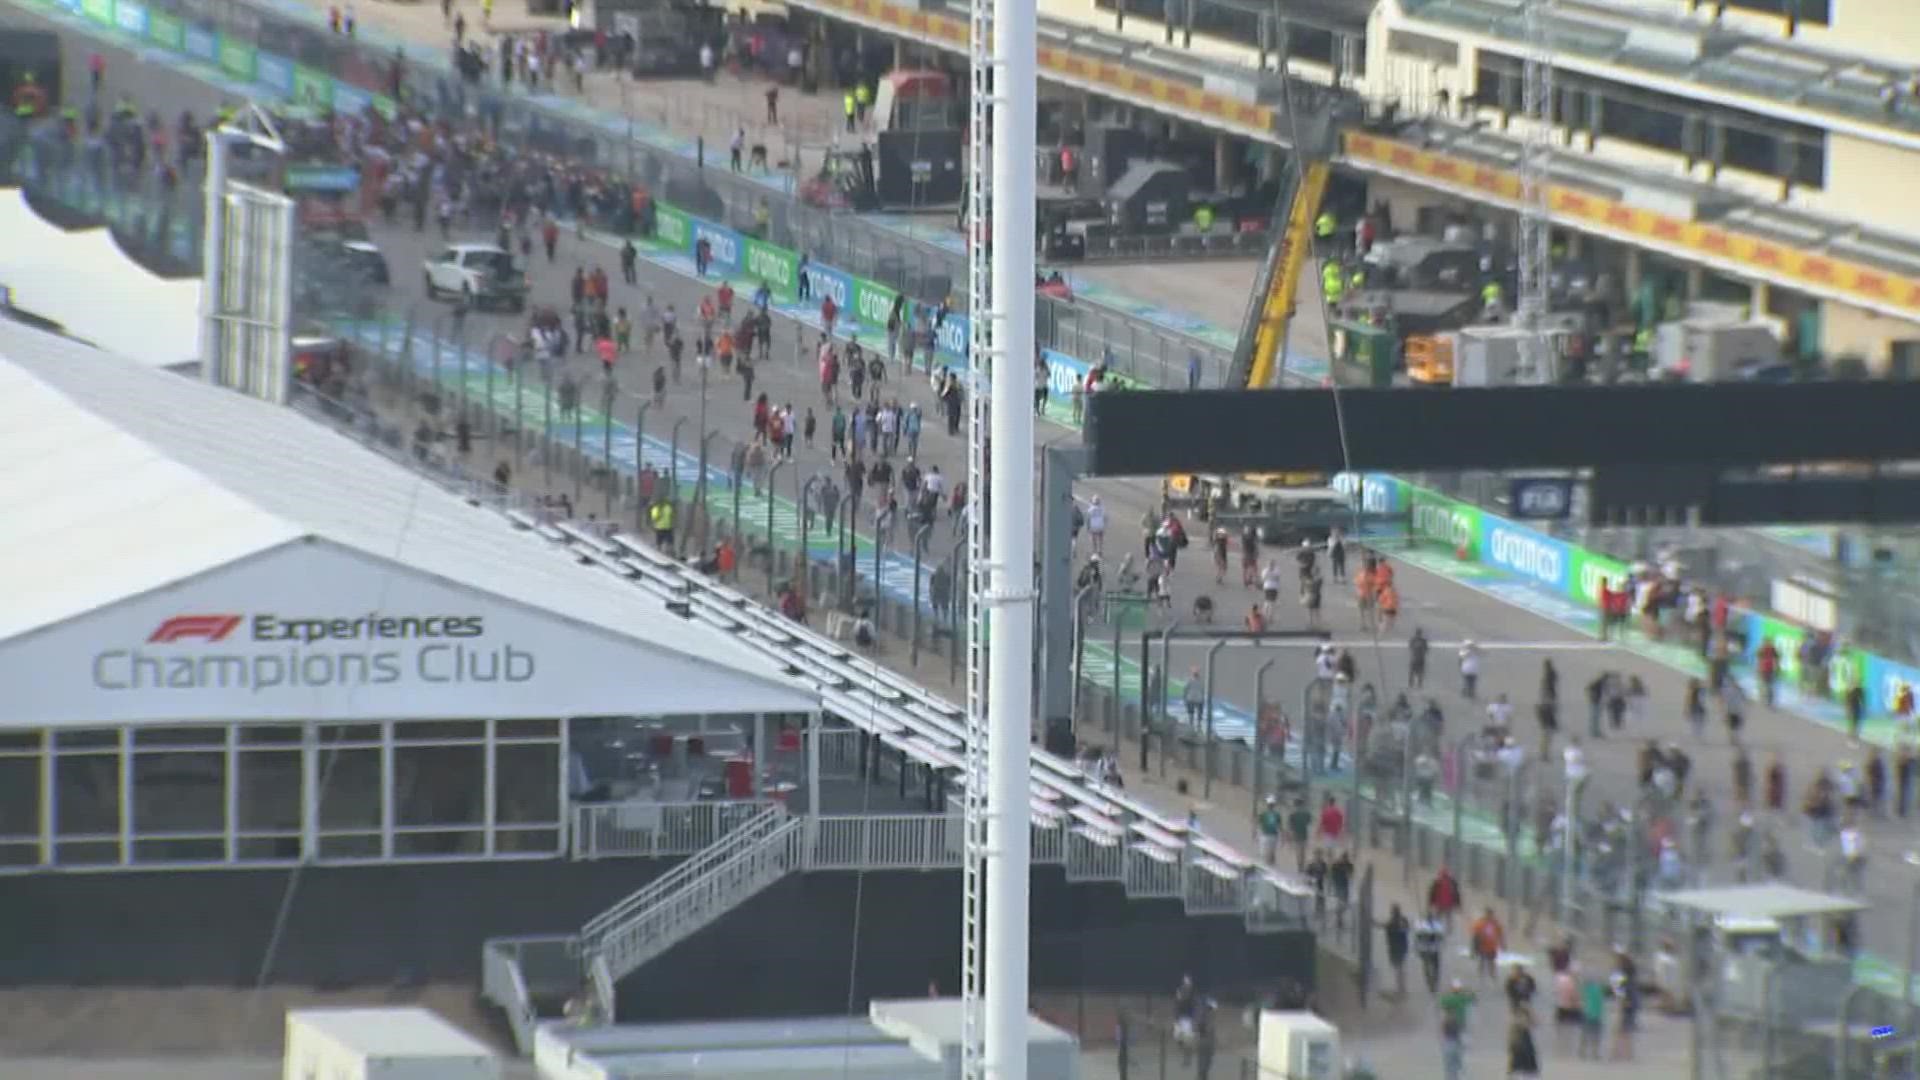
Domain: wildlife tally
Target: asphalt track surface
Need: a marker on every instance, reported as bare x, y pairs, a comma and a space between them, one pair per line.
1484, 608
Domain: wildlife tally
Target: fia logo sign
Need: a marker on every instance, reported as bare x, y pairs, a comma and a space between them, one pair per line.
1539, 498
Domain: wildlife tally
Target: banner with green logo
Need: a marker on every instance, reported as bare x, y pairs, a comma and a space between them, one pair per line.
1449, 523
166, 31
673, 228
236, 57
100, 11
872, 303
772, 264
1588, 572
312, 87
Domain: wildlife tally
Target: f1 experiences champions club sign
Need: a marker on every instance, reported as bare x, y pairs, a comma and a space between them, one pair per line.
261, 653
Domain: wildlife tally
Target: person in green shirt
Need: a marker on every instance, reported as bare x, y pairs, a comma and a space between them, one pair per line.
1299, 826
1270, 823
1456, 1005
1593, 1016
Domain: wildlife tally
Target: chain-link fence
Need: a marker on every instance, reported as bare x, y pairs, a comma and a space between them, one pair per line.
920, 257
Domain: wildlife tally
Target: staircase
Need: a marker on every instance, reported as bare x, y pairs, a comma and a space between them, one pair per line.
688, 898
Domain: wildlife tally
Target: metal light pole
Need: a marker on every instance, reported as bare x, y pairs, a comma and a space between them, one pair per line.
919, 552
1510, 875
606, 436
700, 481
1260, 740
673, 459
1570, 844
639, 462
803, 559
954, 645
1079, 651
1459, 795
1011, 86
1213, 653
1165, 704
579, 455
773, 474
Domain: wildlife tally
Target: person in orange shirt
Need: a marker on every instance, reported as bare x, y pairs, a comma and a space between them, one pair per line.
1388, 601
1363, 594
1487, 938
723, 349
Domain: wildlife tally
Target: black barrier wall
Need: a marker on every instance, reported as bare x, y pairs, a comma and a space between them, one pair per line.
794, 951
374, 925
788, 952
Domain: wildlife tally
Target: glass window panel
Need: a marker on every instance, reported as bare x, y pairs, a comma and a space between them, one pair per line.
440, 785
256, 734
527, 784
427, 845
527, 729
350, 733
175, 850
180, 792
182, 736
87, 853
20, 740
350, 789
19, 855
84, 738
439, 730
269, 791
353, 846
268, 849
87, 789
527, 841
19, 796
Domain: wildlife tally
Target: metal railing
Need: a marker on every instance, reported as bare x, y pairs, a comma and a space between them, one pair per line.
653, 829
621, 946
742, 838
503, 983
886, 842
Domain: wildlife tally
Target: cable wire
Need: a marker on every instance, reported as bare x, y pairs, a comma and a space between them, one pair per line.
1358, 480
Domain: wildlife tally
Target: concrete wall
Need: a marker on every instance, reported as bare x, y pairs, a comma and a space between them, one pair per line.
791, 950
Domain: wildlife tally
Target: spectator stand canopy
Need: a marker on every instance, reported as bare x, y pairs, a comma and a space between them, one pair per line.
176, 553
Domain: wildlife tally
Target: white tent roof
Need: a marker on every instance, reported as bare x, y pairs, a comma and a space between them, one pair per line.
84, 282
118, 481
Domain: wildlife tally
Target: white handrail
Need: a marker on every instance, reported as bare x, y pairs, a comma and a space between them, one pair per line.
654, 891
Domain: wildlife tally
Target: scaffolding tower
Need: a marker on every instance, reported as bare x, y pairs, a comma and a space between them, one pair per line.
1534, 293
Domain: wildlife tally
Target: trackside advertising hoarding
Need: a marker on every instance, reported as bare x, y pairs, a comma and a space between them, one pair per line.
314, 632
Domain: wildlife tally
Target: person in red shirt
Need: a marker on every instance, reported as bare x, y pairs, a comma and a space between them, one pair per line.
1443, 896
607, 351
725, 297
1767, 663
829, 311
1333, 821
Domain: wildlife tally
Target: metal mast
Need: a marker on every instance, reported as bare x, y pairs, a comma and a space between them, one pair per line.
1000, 596
1536, 162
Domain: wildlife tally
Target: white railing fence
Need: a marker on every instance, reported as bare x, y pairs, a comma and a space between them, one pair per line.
643, 829
741, 838
697, 902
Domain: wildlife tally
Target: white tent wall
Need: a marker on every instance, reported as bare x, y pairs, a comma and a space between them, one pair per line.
84, 282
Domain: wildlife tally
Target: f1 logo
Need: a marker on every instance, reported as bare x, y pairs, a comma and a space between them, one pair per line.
188, 627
